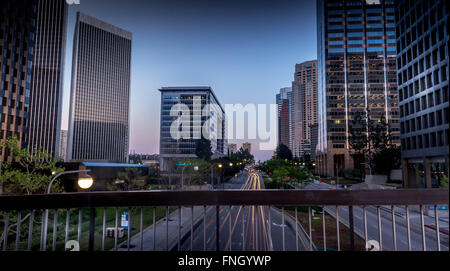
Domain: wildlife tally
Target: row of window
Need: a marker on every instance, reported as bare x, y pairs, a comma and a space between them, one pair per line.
426, 82
426, 121
432, 15
429, 140
417, 50
424, 102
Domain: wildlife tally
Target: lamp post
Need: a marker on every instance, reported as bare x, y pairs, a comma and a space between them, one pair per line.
84, 182
182, 174
219, 165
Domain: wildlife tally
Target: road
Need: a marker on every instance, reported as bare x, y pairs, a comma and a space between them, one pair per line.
387, 236
246, 228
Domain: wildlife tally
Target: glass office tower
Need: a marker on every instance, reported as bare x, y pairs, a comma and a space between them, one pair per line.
100, 94
193, 101
356, 75
423, 79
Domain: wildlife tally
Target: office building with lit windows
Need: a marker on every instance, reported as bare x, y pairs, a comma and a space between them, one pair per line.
184, 114
423, 82
356, 75
304, 108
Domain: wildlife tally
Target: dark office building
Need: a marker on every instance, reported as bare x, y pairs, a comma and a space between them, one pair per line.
100, 94
423, 82
32, 42
47, 76
356, 76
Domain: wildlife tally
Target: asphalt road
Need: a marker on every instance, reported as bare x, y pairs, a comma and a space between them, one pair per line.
246, 228
387, 235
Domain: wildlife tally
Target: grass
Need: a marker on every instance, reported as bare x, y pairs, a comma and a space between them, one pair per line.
73, 227
330, 229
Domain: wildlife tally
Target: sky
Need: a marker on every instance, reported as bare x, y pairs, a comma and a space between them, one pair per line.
245, 50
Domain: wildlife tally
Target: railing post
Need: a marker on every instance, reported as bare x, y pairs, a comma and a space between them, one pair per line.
217, 228
91, 229
352, 228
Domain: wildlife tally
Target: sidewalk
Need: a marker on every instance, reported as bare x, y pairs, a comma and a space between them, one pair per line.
166, 234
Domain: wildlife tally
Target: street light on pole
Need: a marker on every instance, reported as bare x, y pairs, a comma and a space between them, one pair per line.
84, 182
212, 172
182, 174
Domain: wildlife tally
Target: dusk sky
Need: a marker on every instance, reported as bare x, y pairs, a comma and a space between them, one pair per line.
245, 50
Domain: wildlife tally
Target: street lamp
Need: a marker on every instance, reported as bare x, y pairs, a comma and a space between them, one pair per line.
182, 174
212, 171
84, 182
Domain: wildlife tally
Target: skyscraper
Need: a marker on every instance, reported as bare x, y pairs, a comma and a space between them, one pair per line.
47, 75
32, 45
356, 75
100, 93
423, 82
184, 114
284, 102
304, 107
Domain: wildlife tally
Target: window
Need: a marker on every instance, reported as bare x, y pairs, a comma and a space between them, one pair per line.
430, 100
426, 141
424, 102
437, 97
431, 119
439, 117
425, 121
419, 124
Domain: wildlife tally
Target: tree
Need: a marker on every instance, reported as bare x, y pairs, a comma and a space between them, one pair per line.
193, 176
29, 172
203, 149
283, 152
241, 155
368, 137
128, 180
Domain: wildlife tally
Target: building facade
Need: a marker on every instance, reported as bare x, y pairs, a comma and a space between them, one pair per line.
100, 93
284, 103
32, 45
314, 129
232, 148
247, 146
187, 115
48, 76
356, 75
423, 82
304, 107
63, 145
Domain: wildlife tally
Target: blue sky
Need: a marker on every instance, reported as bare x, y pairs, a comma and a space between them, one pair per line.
245, 50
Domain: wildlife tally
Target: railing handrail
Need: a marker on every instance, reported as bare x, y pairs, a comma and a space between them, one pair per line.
227, 197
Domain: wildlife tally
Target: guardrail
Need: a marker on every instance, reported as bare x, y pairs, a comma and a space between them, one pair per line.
150, 210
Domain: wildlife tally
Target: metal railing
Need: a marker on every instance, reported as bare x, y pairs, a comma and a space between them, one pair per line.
226, 220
